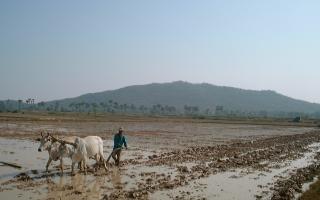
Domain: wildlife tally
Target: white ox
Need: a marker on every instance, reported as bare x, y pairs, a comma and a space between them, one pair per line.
81, 150
50, 144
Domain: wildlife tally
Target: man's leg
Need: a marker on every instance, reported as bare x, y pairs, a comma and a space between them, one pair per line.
118, 153
113, 155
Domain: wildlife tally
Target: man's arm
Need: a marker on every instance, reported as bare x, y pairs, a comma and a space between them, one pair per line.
114, 141
125, 142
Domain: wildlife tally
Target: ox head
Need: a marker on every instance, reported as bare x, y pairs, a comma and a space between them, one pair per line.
45, 141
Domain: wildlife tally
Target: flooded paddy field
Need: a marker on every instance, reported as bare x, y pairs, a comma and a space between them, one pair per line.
166, 159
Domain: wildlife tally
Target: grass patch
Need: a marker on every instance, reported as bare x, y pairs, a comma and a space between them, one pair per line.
110, 117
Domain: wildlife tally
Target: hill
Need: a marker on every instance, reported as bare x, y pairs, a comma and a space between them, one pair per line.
204, 96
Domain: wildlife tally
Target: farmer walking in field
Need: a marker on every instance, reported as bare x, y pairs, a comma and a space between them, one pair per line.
119, 140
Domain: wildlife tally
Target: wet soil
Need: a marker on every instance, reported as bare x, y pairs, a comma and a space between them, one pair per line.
165, 160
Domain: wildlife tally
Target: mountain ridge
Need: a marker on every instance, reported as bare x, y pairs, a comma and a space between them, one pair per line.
203, 95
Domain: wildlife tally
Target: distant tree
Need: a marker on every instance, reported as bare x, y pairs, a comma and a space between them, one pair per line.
316, 115
41, 105
115, 105
169, 110
219, 110
19, 104
191, 110
157, 109
207, 111
50, 108
125, 107
161, 109
2, 106
173, 110
133, 108
72, 106
104, 106
77, 106
56, 106
195, 110
121, 108
263, 113
7, 105
186, 109
142, 109
109, 106
63, 109
94, 107
30, 103
87, 106
81, 106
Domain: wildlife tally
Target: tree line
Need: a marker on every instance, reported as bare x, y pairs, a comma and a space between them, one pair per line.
112, 106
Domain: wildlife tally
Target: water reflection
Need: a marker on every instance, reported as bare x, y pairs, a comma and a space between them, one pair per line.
116, 179
78, 186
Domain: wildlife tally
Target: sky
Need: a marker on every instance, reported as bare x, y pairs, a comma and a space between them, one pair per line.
57, 49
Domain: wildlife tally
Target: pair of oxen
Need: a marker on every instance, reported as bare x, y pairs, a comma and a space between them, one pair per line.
79, 150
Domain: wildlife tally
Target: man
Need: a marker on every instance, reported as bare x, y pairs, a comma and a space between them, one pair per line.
118, 140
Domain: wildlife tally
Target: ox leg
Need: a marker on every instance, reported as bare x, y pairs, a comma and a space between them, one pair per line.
79, 165
72, 168
98, 161
102, 159
48, 163
105, 165
61, 165
85, 165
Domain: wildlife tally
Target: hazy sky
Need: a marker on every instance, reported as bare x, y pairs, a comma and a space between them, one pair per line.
56, 49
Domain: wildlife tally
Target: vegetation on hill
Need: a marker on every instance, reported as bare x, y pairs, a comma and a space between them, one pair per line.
178, 98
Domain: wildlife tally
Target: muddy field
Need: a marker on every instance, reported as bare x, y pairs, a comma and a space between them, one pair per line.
166, 159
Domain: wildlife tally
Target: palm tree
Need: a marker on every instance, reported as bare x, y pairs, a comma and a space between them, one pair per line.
2, 106
121, 108
19, 104
94, 107
141, 108
103, 105
86, 105
186, 109
56, 106
125, 107
207, 111
115, 105
77, 106
72, 106
133, 108
41, 105
195, 110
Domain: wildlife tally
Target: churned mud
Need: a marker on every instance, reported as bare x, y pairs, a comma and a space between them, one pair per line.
166, 160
